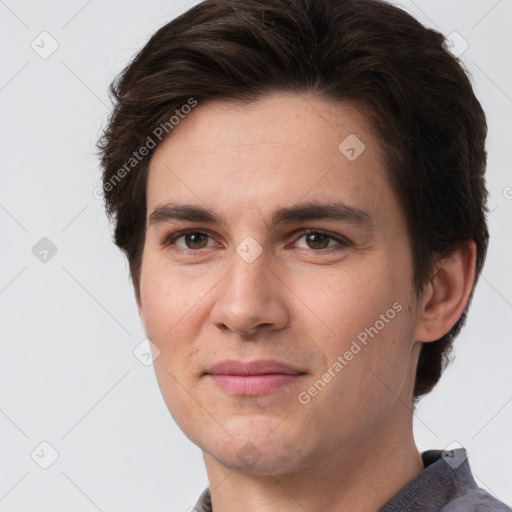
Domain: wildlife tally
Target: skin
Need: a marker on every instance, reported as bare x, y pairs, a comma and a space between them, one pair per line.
302, 301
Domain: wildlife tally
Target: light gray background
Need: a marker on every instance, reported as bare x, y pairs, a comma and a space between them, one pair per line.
69, 325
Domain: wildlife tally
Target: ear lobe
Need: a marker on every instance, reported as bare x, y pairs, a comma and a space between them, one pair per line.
447, 293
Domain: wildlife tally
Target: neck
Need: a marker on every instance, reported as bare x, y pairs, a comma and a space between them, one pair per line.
360, 477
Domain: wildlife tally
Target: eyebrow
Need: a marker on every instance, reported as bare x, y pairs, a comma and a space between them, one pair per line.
296, 213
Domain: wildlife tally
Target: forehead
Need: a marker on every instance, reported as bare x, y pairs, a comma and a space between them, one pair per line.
281, 119
274, 151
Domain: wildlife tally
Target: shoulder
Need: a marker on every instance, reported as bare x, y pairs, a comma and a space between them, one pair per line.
476, 500
446, 484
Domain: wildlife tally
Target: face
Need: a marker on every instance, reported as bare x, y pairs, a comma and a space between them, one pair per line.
273, 235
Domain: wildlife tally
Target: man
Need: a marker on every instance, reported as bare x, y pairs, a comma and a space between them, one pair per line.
299, 188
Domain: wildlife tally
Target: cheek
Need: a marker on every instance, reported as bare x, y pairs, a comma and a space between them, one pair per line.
370, 364
370, 327
350, 299
170, 301
171, 309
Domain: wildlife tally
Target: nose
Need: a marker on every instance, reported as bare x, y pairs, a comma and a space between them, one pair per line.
251, 297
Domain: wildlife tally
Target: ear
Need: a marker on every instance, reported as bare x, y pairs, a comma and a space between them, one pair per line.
445, 296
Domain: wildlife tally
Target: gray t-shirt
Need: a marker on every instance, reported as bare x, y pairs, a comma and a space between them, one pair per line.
446, 484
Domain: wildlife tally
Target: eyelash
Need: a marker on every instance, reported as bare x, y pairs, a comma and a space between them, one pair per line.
168, 241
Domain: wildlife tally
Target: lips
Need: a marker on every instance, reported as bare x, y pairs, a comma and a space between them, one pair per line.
254, 377
233, 367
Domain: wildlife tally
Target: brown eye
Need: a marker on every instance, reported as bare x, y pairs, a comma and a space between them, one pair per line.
195, 240
188, 240
317, 240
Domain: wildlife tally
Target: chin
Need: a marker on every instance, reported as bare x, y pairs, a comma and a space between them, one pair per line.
257, 448
249, 459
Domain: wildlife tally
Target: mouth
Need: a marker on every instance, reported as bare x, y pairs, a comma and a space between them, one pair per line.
253, 377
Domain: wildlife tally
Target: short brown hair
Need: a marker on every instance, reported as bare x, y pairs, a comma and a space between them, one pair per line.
417, 96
